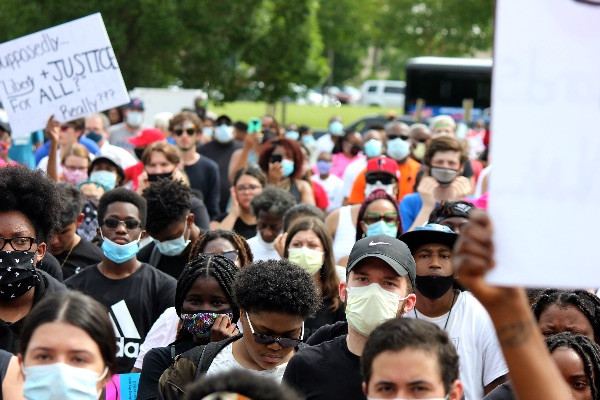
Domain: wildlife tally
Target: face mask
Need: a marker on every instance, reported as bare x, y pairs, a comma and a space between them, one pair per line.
173, 247
156, 177
373, 148
381, 228
119, 253
96, 137
292, 135
105, 178
134, 118
61, 382
398, 149
370, 188
310, 260
74, 177
288, 167
354, 150
200, 323
419, 151
443, 175
336, 128
208, 131
308, 140
323, 167
367, 307
17, 273
434, 287
224, 133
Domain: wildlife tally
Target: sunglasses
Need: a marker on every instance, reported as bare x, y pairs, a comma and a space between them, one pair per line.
232, 255
130, 224
388, 218
403, 137
384, 179
189, 131
259, 338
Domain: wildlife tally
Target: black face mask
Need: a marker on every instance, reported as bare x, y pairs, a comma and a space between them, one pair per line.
17, 273
138, 152
155, 177
355, 150
434, 287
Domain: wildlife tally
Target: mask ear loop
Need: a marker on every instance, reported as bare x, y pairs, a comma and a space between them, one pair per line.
100, 378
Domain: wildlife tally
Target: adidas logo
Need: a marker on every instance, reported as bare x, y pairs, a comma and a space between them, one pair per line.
128, 337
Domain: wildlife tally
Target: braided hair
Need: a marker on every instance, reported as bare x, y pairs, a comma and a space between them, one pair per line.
378, 194
216, 266
588, 351
240, 244
586, 302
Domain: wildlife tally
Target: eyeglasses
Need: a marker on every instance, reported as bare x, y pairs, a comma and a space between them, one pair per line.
384, 179
389, 218
403, 137
130, 224
189, 131
259, 338
18, 243
247, 188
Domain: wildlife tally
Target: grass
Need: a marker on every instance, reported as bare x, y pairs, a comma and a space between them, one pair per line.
317, 117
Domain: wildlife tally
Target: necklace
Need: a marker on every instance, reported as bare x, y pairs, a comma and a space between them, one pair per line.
449, 312
67, 257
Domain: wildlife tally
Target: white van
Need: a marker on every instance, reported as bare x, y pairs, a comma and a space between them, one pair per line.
383, 93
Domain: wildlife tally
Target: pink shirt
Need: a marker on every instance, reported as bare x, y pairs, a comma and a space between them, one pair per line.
339, 162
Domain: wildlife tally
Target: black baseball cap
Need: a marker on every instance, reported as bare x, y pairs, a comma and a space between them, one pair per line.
430, 233
389, 249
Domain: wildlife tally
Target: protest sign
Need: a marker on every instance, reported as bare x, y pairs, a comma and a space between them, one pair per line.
69, 70
545, 109
123, 387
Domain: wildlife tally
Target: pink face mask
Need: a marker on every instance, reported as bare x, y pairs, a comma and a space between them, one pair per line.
74, 177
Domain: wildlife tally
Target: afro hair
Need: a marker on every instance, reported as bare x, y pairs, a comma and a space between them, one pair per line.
168, 201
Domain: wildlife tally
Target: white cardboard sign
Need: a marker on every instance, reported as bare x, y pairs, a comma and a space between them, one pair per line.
545, 187
69, 70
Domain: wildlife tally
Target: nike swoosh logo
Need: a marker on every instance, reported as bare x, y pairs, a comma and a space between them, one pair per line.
376, 243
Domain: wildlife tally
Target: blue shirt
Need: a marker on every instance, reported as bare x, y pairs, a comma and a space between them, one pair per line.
23, 152
409, 209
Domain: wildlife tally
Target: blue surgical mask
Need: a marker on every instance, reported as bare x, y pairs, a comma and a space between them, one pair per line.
224, 133
381, 228
105, 178
173, 247
61, 382
119, 253
292, 135
134, 118
288, 167
398, 149
208, 131
373, 148
323, 166
336, 128
308, 140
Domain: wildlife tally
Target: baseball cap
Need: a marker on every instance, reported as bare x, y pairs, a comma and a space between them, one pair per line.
111, 157
383, 164
135, 102
430, 233
452, 209
389, 249
146, 137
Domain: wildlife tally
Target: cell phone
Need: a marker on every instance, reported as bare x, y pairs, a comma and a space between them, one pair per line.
276, 158
254, 125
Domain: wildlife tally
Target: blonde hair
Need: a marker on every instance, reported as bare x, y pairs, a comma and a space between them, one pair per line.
74, 149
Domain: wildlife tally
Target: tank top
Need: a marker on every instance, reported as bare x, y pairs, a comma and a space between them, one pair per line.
294, 191
345, 234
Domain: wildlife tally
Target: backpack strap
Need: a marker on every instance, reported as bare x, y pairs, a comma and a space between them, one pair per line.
208, 354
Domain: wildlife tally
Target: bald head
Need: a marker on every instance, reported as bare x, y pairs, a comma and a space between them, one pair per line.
396, 128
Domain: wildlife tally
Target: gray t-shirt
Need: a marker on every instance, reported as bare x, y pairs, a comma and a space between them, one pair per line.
118, 135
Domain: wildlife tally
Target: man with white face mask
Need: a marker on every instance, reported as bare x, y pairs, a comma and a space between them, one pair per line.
133, 116
380, 280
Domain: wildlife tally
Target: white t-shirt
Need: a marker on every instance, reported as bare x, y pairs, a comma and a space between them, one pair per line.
333, 185
472, 332
351, 172
162, 333
225, 361
262, 250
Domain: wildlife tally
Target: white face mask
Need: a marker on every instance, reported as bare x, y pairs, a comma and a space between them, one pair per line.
134, 118
310, 260
61, 382
367, 307
370, 188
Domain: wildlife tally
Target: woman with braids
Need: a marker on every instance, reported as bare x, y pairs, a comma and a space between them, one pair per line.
378, 215
205, 306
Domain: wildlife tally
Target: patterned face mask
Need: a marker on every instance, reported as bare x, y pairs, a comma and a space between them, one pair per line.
17, 273
200, 323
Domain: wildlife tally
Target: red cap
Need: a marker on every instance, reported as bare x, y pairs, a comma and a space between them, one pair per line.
146, 137
383, 164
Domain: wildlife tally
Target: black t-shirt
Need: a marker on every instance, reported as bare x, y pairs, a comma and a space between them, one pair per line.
50, 265
221, 154
204, 176
240, 227
327, 333
328, 371
201, 218
324, 317
134, 304
501, 392
170, 265
82, 255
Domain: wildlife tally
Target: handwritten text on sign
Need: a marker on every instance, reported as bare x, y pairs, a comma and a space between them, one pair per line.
69, 70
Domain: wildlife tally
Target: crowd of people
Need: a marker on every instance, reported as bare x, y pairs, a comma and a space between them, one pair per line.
249, 260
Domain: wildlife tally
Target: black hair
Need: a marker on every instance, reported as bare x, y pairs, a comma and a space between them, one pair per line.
167, 201
587, 303
79, 310
301, 210
303, 129
378, 194
241, 126
33, 194
406, 333
240, 244
126, 196
449, 209
72, 199
337, 147
243, 383
276, 286
252, 171
272, 199
588, 351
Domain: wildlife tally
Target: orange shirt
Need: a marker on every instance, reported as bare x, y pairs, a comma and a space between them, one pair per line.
408, 176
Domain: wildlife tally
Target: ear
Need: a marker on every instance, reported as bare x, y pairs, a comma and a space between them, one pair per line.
343, 292
365, 389
143, 234
409, 304
39, 254
99, 232
190, 219
21, 366
80, 218
456, 390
